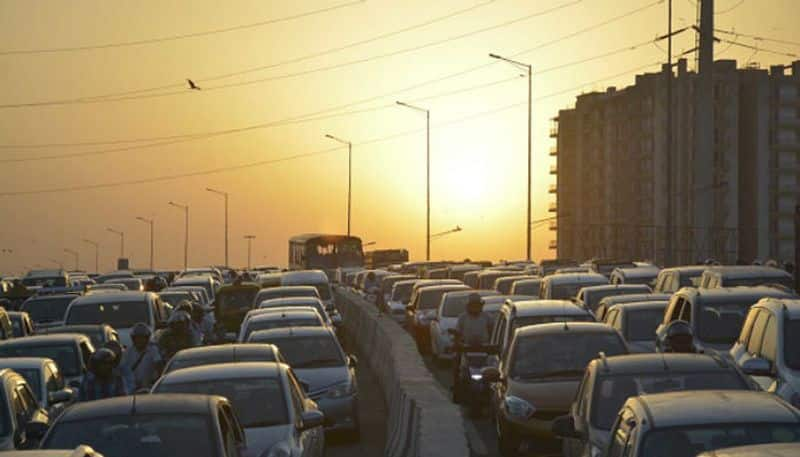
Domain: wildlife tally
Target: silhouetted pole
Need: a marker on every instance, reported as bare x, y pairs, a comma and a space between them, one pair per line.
224, 194
668, 152
249, 239
796, 247
77, 258
96, 254
349, 174
152, 243
121, 241
185, 209
427, 175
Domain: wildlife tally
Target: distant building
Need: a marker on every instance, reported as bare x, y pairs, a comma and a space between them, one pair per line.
611, 191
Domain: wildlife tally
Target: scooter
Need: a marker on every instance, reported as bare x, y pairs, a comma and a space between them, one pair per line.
471, 390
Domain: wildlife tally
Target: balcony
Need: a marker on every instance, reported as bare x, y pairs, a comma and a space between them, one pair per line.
552, 189
554, 132
553, 244
553, 225
553, 170
552, 207
553, 151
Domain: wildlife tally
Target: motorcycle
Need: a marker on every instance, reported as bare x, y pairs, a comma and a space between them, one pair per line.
470, 389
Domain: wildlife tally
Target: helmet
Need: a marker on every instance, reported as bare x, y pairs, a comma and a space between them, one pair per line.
180, 321
116, 348
474, 299
140, 329
679, 337
371, 275
185, 305
102, 362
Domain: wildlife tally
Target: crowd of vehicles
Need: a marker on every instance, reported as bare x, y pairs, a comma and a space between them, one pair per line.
583, 359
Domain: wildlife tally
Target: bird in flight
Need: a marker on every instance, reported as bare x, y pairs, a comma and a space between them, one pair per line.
192, 85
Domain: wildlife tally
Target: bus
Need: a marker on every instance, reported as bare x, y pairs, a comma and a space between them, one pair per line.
382, 258
315, 251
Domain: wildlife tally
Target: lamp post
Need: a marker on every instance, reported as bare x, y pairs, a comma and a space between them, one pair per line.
225, 195
185, 209
529, 69
447, 232
150, 222
349, 174
249, 239
121, 241
96, 254
427, 175
74, 254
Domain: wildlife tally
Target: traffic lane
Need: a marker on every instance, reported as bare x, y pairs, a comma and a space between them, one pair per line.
372, 413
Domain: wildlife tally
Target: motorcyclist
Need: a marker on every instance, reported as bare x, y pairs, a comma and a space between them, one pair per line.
102, 381
143, 360
679, 337
124, 372
202, 325
370, 283
176, 336
473, 329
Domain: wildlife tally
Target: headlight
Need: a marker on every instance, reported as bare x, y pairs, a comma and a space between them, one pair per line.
279, 450
519, 408
344, 389
476, 377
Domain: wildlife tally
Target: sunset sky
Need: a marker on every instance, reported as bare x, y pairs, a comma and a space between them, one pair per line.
478, 141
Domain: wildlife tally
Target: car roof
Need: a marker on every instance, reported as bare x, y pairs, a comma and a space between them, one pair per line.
51, 296
122, 296
641, 305
790, 307
758, 450
295, 277
675, 409
291, 301
468, 292
142, 404
690, 269
23, 362
638, 272
747, 271
285, 332
276, 290
283, 313
561, 327
726, 293
547, 308
660, 363
223, 349
36, 340
614, 299
443, 287
222, 371
607, 287
575, 278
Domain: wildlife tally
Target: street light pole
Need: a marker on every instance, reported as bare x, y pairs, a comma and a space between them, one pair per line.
224, 194
75, 254
249, 239
529, 69
150, 222
96, 254
427, 175
121, 241
349, 174
185, 209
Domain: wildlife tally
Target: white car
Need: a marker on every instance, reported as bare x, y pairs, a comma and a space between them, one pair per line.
316, 278
566, 286
453, 304
121, 311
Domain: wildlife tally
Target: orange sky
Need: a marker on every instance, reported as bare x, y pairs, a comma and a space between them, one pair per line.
478, 164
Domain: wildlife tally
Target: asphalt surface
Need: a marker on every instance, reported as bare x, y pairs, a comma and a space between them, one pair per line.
373, 414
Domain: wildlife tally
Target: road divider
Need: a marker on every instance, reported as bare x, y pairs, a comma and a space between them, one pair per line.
422, 421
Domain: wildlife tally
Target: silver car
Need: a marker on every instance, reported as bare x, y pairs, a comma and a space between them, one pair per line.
269, 318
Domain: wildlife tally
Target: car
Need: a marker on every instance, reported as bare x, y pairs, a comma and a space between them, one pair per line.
458, 271
80, 451
47, 310
284, 292
175, 297
224, 353
740, 275
231, 304
319, 361
517, 314
684, 424
388, 282
132, 284
46, 280
45, 381
637, 323
608, 302
176, 425
470, 278
24, 422
635, 275
331, 316
121, 311
113, 275
212, 272
530, 287
605, 266
503, 284
670, 280
767, 347
567, 286
567, 270
100, 334
208, 283
758, 450
715, 315
103, 288
267, 398
609, 381
487, 278
268, 318
198, 291
589, 297
315, 278
421, 310
267, 280
451, 306
21, 323
550, 266
436, 273
537, 379
400, 297
70, 351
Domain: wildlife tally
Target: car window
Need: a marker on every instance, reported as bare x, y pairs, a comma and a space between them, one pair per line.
674, 310
754, 345
686, 311
583, 392
641, 324
297, 395
86, 352
791, 341
27, 401
769, 345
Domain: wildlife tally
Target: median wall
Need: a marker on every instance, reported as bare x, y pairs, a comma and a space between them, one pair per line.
422, 421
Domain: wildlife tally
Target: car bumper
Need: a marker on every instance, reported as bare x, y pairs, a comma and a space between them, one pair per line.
342, 411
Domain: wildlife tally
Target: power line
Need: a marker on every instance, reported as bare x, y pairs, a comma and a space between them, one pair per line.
759, 49
757, 37
206, 89
179, 36
308, 154
731, 8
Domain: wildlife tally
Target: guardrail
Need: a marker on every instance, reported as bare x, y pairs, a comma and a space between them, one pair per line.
422, 421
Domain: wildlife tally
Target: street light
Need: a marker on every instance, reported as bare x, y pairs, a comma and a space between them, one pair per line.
428, 175
529, 69
75, 254
96, 254
224, 194
349, 174
151, 222
185, 209
447, 232
121, 241
249, 239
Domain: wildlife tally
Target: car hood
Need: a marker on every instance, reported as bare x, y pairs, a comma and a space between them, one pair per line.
261, 439
547, 395
320, 379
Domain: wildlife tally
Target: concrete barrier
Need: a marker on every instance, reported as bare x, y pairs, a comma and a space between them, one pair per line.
422, 420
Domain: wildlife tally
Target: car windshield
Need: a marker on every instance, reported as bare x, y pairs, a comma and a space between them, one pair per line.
174, 298
562, 354
641, 324
402, 292
526, 288
612, 391
118, 315
161, 435
259, 356
691, 280
791, 341
44, 310
54, 281
692, 440
65, 355
269, 294
16, 324
455, 305
759, 281
308, 351
522, 321
720, 323
592, 299
259, 402
430, 299
236, 299
566, 291
257, 325
96, 335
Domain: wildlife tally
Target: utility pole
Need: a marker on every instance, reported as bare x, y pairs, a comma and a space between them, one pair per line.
703, 159
151, 223
185, 209
225, 195
96, 254
77, 258
427, 175
668, 151
249, 239
349, 174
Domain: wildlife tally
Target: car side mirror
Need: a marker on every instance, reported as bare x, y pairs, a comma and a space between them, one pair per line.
491, 374
311, 419
757, 366
352, 361
336, 319
35, 430
564, 427
64, 395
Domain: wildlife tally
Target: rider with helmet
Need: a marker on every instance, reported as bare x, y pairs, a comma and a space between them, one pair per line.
679, 337
123, 371
143, 360
177, 336
474, 328
102, 381
202, 325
